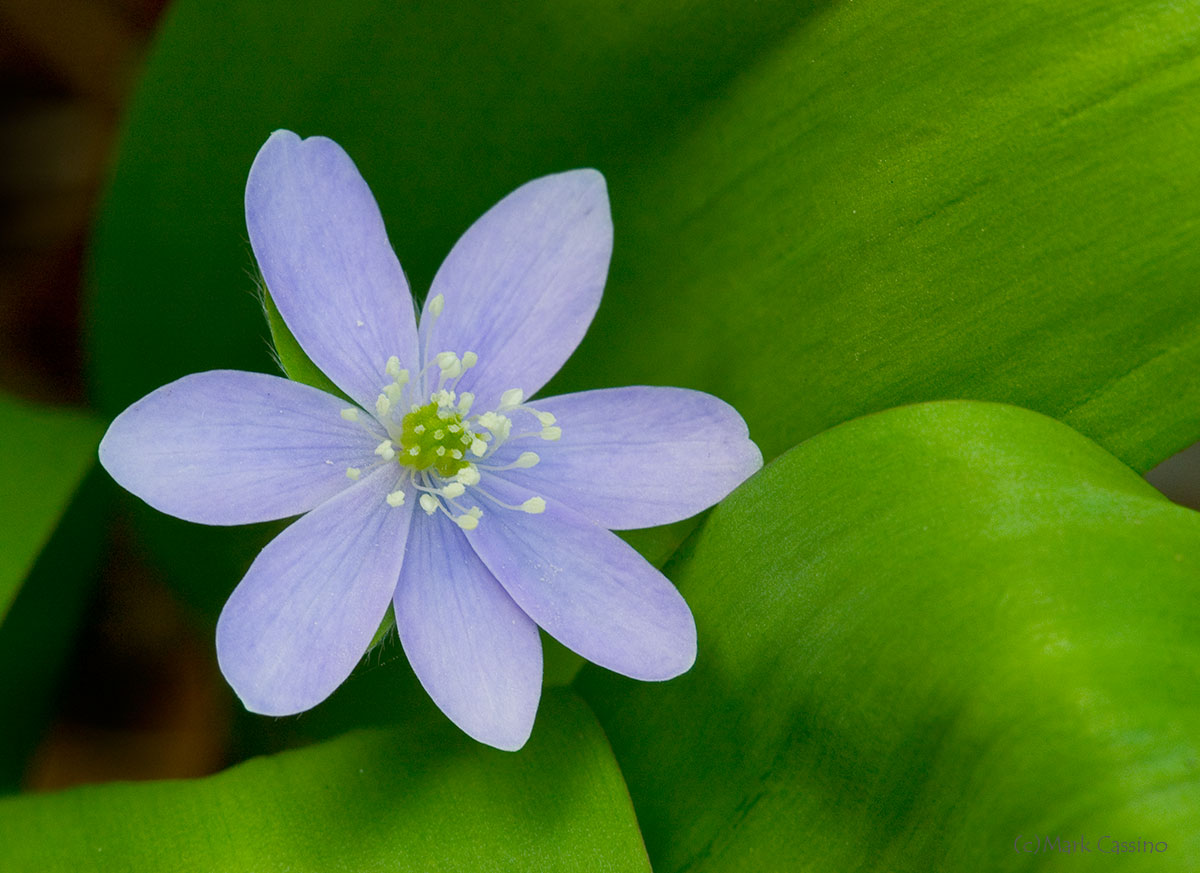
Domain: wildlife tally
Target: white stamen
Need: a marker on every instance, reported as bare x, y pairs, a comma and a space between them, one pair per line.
393, 367
350, 414
464, 402
526, 460
446, 360
468, 475
386, 450
435, 305
396, 498
493, 421
551, 433
454, 489
429, 504
466, 522
394, 393
402, 377
475, 512
545, 418
383, 405
534, 505
443, 398
510, 398
469, 360
478, 447
353, 473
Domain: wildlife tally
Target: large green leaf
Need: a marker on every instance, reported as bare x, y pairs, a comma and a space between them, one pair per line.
821, 211
420, 798
46, 454
924, 634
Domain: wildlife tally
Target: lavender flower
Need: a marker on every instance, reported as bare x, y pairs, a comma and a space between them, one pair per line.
480, 514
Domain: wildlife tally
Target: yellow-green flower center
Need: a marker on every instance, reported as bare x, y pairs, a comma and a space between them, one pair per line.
433, 438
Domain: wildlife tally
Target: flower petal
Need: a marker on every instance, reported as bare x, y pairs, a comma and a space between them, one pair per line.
305, 612
638, 457
588, 588
522, 284
477, 654
227, 447
323, 251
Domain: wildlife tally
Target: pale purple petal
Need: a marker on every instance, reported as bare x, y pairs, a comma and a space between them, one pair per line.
586, 587
522, 284
305, 613
323, 251
227, 447
476, 653
638, 457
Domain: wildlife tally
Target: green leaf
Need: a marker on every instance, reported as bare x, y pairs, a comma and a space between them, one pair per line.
46, 454
419, 798
923, 634
825, 211
38, 633
295, 363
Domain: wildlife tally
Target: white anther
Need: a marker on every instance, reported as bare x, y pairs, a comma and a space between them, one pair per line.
440, 451
435, 305
442, 398
469, 360
456, 454
475, 512
545, 418
454, 489
464, 402
394, 392
493, 421
402, 377
526, 460
420, 428
478, 447
350, 414
534, 505
386, 450
383, 405
429, 504
353, 473
439, 434
396, 498
468, 475
510, 398
445, 360
393, 366
551, 433
466, 522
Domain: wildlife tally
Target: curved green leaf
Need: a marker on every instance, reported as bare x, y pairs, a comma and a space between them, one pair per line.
421, 798
924, 634
46, 454
821, 212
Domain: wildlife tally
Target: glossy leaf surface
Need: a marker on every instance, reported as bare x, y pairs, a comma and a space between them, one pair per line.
923, 635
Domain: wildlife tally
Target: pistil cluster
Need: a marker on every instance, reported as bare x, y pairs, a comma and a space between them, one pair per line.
439, 446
